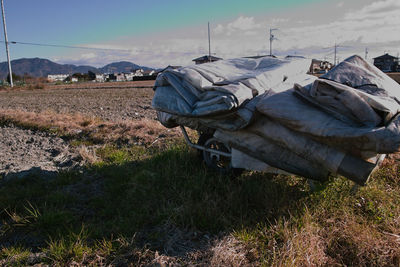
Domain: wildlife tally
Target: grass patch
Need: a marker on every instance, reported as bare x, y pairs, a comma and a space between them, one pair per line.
14, 256
134, 203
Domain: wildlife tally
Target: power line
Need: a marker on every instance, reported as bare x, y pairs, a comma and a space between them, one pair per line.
335, 51
68, 46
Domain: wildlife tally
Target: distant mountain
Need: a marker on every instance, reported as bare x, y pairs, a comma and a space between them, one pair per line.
122, 66
39, 67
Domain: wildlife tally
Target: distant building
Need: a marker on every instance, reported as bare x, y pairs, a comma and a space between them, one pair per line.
206, 59
71, 79
149, 72
129, 76
56, 77
120, 77
100, 78
387, 63
320, 66
138, 73
110, 77
260, 56
294, 56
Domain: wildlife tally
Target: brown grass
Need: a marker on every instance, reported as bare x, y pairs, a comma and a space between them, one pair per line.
105, 85
87, 154
341, 240
42, 83
138, 132
229, 251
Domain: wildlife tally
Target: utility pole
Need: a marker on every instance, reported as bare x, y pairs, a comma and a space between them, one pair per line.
271, 38
209, 43
366, 53
6, 41
334, 61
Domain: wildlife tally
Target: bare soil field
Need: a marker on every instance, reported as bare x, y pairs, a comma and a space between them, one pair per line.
26, 151
90, 112
107, 101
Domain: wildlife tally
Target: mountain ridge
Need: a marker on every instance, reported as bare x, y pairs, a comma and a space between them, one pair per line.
41, 67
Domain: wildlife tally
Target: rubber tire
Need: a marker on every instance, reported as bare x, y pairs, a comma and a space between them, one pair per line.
203, 139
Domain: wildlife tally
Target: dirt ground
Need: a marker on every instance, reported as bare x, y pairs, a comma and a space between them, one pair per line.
26, 151
107, 101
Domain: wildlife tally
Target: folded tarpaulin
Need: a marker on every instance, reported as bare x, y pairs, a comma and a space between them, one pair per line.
361, 120
355, 92
271, 142
218, 93
269, 110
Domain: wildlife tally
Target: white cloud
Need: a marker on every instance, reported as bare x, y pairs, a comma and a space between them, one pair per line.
219, 29
378, 9
277, 21
372, 24
241, 24
88, 56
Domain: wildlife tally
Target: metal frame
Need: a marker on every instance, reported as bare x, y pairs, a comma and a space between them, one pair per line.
202, 147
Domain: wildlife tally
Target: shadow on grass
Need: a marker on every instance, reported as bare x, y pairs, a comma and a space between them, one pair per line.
154, 198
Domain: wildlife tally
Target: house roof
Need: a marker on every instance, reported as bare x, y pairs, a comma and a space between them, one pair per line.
207, 58
255, 57
294, 56
386, 56
148, 71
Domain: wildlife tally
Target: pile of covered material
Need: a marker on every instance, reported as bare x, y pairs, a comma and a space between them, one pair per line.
273, 114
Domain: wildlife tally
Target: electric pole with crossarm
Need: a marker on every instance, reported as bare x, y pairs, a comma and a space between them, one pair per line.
271, 38
6, 41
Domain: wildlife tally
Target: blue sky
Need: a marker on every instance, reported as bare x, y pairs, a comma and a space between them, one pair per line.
76, 21
159, 32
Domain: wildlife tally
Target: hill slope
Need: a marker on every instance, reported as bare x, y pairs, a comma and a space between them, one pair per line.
122, 66
39, 67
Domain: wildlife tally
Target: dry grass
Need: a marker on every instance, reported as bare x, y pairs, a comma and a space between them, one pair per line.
87, 154
138, 132
342, 240
42, 83
337, 226
229, 251
105, 85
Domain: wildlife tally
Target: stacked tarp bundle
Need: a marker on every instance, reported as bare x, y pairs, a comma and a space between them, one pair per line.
218, 94
338, 124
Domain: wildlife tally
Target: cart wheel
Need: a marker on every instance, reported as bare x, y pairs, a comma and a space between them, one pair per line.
215, 161
218, 162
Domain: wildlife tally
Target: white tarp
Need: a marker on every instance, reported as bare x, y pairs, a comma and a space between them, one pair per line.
270, 110
216, 93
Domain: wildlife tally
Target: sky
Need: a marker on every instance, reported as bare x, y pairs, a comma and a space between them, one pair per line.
159, 33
